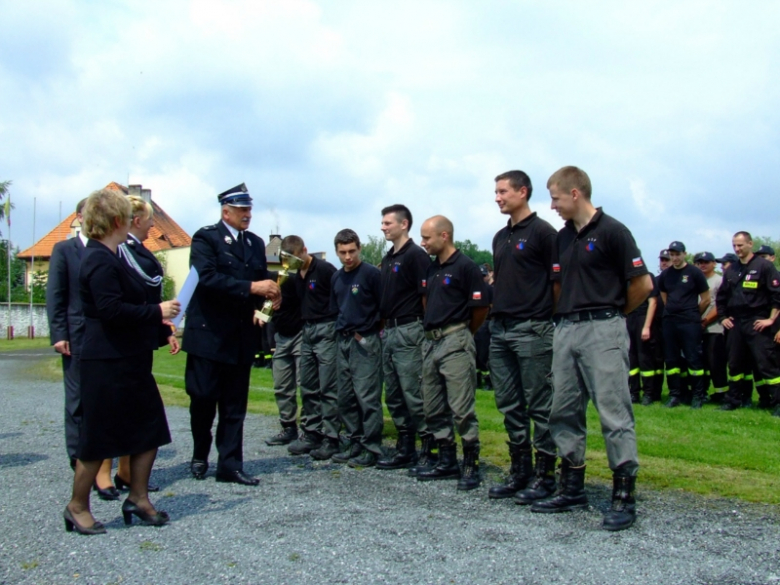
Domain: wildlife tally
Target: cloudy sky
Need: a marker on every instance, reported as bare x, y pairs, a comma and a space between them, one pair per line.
331, 110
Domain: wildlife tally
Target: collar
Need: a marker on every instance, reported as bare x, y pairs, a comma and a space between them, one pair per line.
132, 240
233, 231
451, 259
392, 252
84, 239
593, 221
522, 223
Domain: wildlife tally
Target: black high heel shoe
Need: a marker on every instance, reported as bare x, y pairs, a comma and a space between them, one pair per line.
70, 524
122, 485
109, 493
129, 508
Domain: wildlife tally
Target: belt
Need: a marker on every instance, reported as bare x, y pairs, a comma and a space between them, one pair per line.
599, 315
390, 323
320, 320
353, 333
434, 334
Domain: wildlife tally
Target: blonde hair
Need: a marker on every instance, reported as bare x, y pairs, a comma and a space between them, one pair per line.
568, 178
100, 211
141, 207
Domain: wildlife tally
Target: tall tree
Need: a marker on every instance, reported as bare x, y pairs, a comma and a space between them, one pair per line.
6, 207
470, 249
373, 250
759, 241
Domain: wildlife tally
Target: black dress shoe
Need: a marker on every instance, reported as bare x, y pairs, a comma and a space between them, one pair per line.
109, 493
71, 524
237, 477
123, 485
129, 509
198, 468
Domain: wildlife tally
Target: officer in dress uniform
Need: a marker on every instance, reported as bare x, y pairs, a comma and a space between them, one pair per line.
220, 337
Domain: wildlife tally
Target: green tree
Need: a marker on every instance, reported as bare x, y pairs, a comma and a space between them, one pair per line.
4, 185
759, 241
373, 250
471, 250
168, 284
18, 291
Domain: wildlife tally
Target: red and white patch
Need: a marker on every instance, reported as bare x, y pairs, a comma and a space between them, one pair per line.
637, 262
556, 267
476, 295
775, 282
425, 284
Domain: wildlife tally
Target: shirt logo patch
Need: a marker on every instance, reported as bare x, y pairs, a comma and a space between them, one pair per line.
476, 295
637, 262
228, 240
425, 284
396, 268
355, 289
685, 278
748, 284
447, 279
747, 277
312, 284
590, 247
556, 267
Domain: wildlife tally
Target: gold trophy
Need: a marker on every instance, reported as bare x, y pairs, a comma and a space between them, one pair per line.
289, 263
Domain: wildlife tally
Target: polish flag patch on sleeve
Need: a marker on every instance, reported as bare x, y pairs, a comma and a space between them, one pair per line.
476, 295
425, 283
556, 267
637, 262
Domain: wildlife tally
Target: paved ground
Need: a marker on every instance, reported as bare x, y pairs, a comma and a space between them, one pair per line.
322, 523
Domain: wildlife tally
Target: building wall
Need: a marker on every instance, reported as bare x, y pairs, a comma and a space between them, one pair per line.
177, 265
20, 319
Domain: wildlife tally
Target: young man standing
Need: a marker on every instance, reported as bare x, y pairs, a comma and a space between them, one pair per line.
603, 278
456, 307
356, 291
521, 331
686, 295
404, 270
714, 342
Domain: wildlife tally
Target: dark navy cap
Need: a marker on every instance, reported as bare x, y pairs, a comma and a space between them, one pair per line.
664, 255
727, 258
238, 196
704, 257
677, 247
765, 250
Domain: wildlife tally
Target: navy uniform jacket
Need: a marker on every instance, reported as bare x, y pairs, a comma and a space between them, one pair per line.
148, 262
63, 304
219, 318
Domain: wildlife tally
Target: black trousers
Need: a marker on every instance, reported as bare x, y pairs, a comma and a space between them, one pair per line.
682, 339
716, 359
216, 387
752, 351
642, 370
71, 375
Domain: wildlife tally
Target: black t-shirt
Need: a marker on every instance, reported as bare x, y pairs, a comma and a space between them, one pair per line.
522, 269
683, 287
287, 318
452, 289
749, 290
355, 295
594, 265
403, 281
314, 291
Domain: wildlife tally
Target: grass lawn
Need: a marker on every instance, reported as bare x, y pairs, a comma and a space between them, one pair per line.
707, 451
24, 343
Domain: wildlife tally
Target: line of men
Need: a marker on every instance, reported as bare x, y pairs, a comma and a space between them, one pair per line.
696, 322
411, 324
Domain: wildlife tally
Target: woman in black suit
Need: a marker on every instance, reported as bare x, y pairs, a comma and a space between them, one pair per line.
122, 409
147, 269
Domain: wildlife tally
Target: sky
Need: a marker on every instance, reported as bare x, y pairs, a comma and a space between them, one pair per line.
330, 111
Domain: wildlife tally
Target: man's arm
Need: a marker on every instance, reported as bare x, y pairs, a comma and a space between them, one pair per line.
478, 315
652, 305
57, 296
704, 301
639, 288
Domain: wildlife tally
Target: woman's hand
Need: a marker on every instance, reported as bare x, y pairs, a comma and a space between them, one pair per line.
174, 343
170, 309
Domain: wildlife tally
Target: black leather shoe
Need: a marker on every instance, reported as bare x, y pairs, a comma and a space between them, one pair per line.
237, 477
198, 468
123, 485
108, 494
71, 524
129, 509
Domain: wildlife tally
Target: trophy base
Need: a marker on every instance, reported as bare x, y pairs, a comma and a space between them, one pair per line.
260, 316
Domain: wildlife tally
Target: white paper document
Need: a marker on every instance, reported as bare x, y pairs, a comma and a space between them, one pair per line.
186, 294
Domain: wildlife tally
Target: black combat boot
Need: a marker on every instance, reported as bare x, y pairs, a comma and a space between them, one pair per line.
304, 444
520, 473
446, 468
633, 388
429, 456
405, 454
544, 484
352, 452
327, 449
469, 475
571, 493
699, 392
746, 388
623, 511
286, 436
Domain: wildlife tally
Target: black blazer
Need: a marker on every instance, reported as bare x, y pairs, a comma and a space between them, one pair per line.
63, 303
219, 318
117, 315
148, 262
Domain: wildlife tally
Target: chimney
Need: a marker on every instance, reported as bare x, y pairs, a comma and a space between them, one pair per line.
146, 195
134, 190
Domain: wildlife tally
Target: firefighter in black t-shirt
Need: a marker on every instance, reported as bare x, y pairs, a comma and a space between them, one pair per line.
642, 350
686, 297
749, 302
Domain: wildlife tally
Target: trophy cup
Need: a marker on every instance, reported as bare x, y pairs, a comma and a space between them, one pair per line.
289, 263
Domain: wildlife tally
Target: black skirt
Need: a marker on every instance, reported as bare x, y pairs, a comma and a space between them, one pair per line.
122, 412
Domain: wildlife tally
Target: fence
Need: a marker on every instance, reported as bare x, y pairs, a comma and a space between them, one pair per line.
20, 320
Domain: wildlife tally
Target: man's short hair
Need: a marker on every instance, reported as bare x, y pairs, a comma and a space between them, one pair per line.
346, 236
518, 180
401, 213
292, 245
80, 205
100, 211
141, 207
568, 178
745, 235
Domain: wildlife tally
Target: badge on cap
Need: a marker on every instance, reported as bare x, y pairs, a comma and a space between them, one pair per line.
238, 196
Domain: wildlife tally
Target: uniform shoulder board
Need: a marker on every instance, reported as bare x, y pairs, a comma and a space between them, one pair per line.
209, 227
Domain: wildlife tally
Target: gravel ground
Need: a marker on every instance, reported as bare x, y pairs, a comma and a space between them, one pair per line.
323, 523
